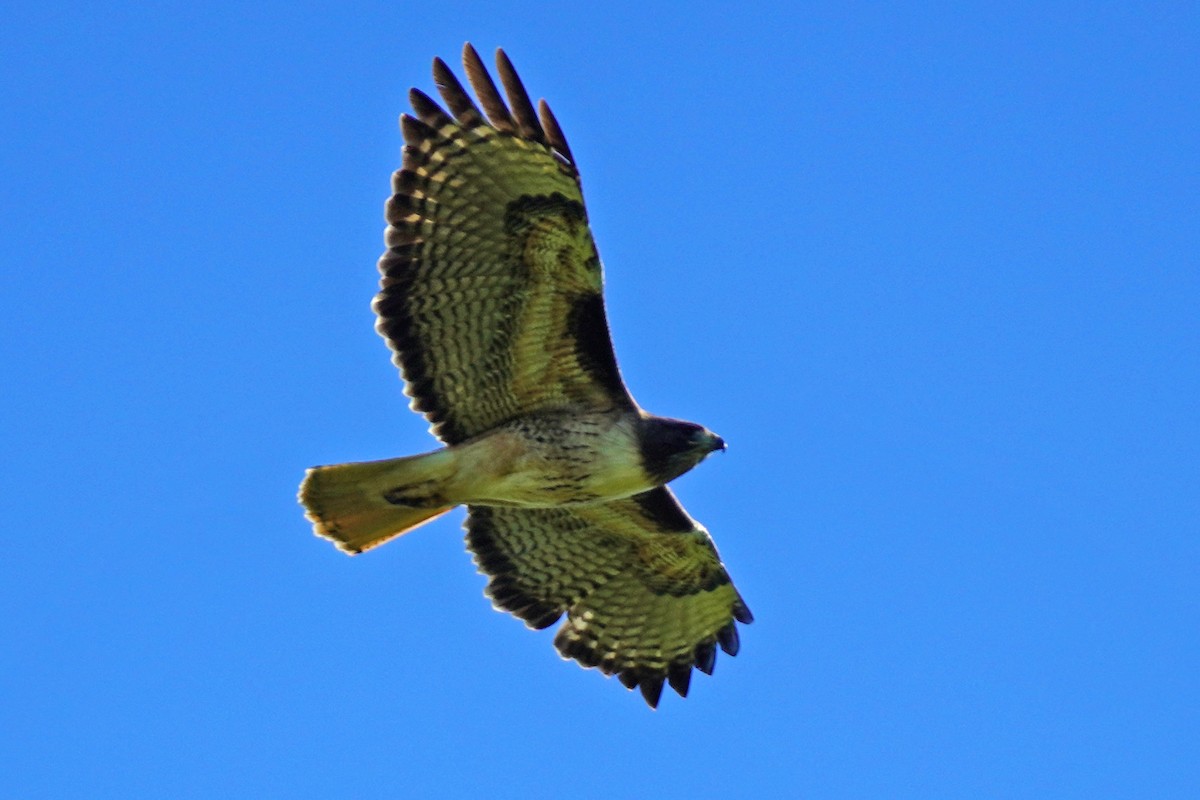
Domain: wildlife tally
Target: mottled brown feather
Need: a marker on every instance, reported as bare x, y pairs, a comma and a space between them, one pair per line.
644, 598
491, 288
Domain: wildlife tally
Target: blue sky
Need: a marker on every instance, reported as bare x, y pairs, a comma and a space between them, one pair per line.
930, 269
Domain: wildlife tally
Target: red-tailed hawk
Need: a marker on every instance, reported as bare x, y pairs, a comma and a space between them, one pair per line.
491, 303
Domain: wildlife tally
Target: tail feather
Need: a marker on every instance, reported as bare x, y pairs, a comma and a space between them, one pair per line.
362, 505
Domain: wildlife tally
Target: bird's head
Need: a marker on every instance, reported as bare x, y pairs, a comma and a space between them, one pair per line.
670, 447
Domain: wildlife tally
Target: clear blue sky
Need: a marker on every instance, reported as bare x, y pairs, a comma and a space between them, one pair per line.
930, 268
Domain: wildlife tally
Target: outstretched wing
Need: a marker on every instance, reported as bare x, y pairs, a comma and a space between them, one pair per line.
491, 291
645, 593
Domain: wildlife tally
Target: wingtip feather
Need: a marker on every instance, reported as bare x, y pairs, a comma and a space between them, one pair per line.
523, 112
651, 688
554, 135
679, 675
741, 612
485, 89
727, 637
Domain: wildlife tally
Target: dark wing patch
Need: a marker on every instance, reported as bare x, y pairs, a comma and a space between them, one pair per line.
646, 598
490, 261
593, 348
664, 511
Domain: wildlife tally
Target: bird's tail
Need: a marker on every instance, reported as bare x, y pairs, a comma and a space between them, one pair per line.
359, 506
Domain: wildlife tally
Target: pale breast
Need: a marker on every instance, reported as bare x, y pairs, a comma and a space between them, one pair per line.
552, 459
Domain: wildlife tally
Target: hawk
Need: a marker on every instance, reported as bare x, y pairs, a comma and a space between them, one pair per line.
492, 305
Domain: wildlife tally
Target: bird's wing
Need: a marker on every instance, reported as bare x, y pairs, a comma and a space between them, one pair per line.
645, 593
492, 291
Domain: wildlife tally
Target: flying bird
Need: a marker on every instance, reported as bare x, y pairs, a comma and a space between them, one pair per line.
492, 305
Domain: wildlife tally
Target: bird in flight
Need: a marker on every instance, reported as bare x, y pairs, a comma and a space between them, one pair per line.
492, 305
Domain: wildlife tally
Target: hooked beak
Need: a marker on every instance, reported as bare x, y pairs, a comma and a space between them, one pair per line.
717, 444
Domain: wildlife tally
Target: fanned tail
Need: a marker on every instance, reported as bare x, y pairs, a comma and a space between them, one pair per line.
362, 505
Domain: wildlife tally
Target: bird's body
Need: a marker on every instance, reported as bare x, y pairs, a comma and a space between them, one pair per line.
562, 458
552, 459
492, 303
